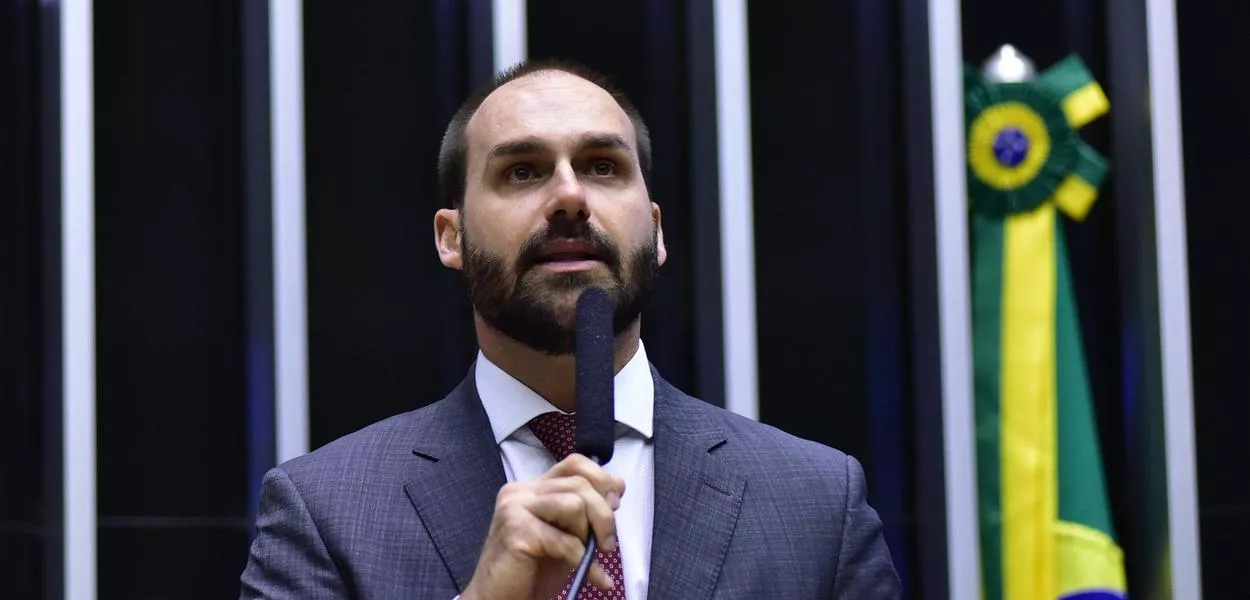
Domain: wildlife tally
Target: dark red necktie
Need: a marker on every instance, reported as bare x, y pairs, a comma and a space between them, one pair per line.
555, 431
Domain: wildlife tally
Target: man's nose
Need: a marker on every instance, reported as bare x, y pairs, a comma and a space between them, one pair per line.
568, 195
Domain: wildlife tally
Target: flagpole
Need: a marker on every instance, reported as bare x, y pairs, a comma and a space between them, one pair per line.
1173, 282
954, 304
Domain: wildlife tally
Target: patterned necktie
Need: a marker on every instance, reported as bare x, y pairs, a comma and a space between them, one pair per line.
555, 430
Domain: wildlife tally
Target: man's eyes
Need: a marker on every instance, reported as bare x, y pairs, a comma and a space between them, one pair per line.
603, 168
520, 174
525, 173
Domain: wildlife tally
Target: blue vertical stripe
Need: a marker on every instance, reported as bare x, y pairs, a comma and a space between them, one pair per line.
258, 250
883, 227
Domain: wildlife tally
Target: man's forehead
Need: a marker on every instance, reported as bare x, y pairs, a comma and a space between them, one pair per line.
549, 105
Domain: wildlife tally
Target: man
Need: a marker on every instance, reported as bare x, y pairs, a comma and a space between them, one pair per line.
477, 495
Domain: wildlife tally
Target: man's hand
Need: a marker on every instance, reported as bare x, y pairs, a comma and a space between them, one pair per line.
539, 530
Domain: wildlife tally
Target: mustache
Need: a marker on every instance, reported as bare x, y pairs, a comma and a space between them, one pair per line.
568, 229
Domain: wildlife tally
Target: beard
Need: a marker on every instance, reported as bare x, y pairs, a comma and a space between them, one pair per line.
531, 306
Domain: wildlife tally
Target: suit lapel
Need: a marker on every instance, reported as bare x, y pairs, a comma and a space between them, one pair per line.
455, 479
697, 498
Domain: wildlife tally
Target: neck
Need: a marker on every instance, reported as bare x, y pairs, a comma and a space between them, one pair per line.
551, 377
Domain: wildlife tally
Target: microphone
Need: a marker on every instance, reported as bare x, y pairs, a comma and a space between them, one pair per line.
594, 388
594, 397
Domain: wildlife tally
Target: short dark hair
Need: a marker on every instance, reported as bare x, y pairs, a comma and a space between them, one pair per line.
453, 153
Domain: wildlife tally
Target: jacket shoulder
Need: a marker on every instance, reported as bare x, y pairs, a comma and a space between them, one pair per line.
762, 435
379, 447
767, 452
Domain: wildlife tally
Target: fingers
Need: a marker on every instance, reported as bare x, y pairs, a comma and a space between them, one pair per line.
571, 504
539, 530
561, 545
599, 578
600, 490
527, 534
565, 547
577, 465
543, 540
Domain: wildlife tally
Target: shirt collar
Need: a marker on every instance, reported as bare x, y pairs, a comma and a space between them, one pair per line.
510, 405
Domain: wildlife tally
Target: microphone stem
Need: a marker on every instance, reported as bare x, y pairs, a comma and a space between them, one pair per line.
583, 567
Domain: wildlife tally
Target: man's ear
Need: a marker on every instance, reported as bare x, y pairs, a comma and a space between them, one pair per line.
661, 253
447, 237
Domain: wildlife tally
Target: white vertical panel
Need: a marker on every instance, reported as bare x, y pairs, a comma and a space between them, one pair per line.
737, 233
954, 304
1171, 249
78, 298
286, 72
509, 23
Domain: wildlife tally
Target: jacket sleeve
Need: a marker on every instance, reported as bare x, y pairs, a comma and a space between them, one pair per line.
865, 568
288, 558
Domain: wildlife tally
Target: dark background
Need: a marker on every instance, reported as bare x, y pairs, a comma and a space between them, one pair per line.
388, 327
1212, 37
26, 526
843, 277
169, 298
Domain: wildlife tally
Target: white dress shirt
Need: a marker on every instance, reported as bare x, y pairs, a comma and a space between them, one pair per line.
510, 405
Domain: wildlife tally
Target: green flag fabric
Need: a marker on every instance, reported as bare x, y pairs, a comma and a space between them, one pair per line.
1045, 522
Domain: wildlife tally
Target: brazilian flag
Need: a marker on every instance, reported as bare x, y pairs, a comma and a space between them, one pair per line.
1045, 523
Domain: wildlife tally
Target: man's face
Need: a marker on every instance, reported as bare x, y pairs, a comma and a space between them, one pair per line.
555, 202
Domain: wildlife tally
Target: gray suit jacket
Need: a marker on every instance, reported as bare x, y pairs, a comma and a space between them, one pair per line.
401, 508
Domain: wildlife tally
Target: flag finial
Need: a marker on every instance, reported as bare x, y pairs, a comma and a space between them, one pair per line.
1008, 65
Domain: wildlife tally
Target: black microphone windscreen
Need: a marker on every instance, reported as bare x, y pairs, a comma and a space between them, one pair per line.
594, 388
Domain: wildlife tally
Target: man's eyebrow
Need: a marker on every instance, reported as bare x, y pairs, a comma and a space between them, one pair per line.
516, 148
603, 141
530, 145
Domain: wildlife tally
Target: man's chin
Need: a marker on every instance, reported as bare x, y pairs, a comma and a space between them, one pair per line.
550, 343
566, 282
561, 352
